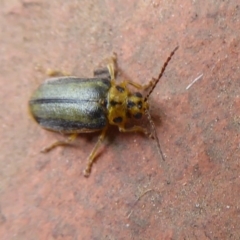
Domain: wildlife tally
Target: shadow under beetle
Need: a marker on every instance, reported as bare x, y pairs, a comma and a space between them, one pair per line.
75, 105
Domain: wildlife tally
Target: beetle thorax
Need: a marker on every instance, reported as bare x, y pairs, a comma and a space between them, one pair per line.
124, 105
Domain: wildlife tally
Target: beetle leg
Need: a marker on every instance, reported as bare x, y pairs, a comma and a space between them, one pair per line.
68, 141
109, 69
92, 155
102, 72
136, 129
52, 72
139, 86
112, 66
57, 73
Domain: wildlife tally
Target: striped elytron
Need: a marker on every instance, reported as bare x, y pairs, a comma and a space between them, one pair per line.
75, 105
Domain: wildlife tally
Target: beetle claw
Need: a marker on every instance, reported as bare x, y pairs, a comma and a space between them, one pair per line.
45, 149
86, 173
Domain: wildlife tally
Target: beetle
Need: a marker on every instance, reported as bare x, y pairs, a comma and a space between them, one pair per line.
73, 105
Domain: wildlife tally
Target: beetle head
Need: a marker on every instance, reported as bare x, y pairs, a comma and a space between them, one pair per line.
136, 105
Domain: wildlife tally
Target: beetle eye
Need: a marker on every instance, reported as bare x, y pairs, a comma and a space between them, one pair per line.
137, 94
139, 104
137, 115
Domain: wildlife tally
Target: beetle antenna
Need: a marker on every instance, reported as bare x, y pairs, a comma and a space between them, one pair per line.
161, 73
154, 133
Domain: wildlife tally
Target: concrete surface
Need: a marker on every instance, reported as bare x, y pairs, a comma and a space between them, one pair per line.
131, 193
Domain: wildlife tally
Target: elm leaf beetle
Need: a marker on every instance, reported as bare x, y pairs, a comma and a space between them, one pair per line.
75, 105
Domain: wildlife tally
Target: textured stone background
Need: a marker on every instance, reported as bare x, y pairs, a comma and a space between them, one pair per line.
195, 193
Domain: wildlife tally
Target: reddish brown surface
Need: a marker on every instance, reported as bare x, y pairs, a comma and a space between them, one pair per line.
195, 193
